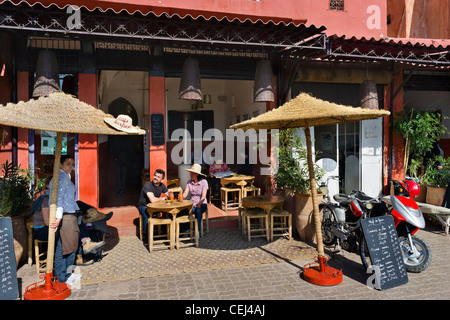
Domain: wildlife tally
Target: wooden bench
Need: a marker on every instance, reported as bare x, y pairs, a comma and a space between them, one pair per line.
441, 213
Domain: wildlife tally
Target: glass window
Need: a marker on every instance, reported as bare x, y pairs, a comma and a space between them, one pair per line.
336, 4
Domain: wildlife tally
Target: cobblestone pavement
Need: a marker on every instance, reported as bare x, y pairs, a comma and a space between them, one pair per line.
279, 280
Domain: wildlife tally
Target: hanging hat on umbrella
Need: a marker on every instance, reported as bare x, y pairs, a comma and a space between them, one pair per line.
123, 123
60, 112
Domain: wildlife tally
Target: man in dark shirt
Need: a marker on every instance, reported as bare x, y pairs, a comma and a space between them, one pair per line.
151, 193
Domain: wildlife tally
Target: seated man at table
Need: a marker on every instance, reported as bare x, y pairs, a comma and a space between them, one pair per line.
151, 193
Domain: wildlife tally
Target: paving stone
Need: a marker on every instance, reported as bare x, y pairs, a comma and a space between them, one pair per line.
254, 276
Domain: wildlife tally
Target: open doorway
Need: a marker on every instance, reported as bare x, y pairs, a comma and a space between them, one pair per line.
121, 158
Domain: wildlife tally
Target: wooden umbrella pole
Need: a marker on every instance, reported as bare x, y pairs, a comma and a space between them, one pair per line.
317, 222
54, 198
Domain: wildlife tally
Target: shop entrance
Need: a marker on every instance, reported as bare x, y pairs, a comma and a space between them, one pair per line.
121, 158
351, 150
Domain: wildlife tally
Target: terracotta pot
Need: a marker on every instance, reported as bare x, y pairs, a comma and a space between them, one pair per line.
289, 202
304, 218
435, 196
20, 236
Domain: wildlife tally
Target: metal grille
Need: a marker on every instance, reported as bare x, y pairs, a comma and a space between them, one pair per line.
336, 4
54, 43
137, 27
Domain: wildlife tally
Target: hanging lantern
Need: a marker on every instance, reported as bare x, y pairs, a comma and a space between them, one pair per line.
47, 74
190, 85
368, 95
263, 90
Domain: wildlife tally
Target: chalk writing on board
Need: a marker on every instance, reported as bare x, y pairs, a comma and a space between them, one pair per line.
8, 277
157, 129
384, 250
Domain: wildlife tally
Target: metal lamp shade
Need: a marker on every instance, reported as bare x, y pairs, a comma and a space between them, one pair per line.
47, 74
190, 85
368, 95
263, 90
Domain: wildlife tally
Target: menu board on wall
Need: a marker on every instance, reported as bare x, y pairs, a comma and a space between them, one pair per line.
385, 252
157, 129
8, 277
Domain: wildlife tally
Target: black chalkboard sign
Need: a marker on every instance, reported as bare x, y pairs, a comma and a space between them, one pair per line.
385, 252
9, 289
157, 129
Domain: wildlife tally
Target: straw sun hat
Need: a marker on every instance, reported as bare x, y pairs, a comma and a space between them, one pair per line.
122, 123
196, 168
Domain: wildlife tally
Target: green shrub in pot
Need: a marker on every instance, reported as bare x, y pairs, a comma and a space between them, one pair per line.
17, 190
292, 174
433, 176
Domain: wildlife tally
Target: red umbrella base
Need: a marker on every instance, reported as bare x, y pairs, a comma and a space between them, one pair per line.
322, 274
52, 289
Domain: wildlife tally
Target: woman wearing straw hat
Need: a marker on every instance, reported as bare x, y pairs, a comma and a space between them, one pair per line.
197, 187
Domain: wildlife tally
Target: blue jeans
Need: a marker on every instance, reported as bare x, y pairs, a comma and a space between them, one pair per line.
63, 262
143, 211
198, 214
84, 233
41, 233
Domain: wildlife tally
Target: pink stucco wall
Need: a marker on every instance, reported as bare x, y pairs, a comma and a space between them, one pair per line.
363, 18
419, 19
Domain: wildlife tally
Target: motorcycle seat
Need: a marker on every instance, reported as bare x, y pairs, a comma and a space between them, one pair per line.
364, 197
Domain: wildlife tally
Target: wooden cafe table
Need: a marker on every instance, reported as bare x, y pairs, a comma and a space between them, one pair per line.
265, 202
173, 208
240, 180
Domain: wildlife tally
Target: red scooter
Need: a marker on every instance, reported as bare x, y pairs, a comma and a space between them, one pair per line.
408, 218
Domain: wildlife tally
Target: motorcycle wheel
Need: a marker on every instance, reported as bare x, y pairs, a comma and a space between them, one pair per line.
415, 264
364, 253
411, 264
328, 237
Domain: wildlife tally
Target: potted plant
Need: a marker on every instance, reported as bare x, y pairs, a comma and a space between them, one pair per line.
292, 178
436, 180
16, 196
420, 129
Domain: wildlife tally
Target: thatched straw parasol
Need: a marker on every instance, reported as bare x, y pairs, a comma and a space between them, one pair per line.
57, 112
306, 111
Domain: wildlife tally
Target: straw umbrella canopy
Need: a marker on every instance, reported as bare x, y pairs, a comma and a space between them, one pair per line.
306, 111
61, 113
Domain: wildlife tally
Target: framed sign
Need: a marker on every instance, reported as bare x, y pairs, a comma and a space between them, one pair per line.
385, 252
9, 289
157, 129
